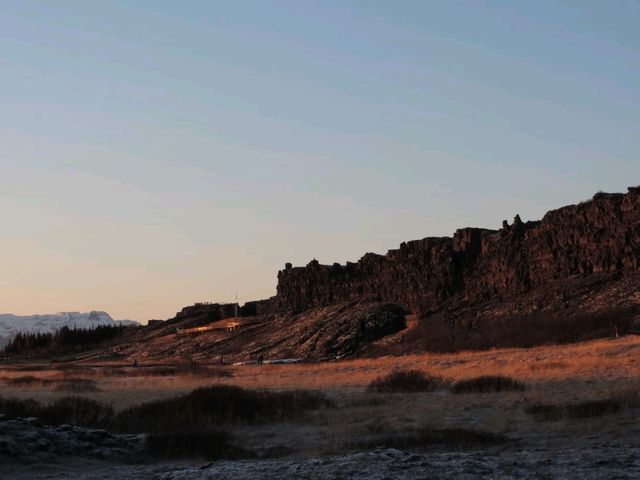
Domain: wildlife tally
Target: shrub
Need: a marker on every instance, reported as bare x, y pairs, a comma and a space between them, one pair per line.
214, 444
487, 384
79, 411
204, 409
434, 437
72, 410
212, 406
406, 381
586, 409
209, 444
14, 407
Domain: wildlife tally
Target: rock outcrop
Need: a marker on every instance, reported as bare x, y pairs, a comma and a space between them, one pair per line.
574, 275
597, 237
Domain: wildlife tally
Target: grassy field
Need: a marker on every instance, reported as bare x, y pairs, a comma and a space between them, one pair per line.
555, 379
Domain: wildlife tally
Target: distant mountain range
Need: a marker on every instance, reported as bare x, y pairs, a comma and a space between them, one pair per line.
11, 324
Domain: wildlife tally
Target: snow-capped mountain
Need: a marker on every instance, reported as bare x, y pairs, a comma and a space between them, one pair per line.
11, 324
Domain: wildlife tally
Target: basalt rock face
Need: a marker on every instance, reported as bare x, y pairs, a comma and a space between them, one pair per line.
597, 237
572, 276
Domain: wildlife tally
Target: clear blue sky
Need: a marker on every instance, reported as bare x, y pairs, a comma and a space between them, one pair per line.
156, 153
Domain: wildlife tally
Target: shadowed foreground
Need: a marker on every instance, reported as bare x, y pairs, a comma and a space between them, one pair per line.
556, 412
607, 461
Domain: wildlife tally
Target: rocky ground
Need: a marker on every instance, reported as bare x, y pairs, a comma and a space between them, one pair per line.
327, 444
26, 441
596, 462
29, 450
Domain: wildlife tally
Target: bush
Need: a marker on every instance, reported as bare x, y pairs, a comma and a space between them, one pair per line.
210, 445
587, 409
79, 411
14, 407
212, 406
487, 384
406, 381
443, 437
204, 409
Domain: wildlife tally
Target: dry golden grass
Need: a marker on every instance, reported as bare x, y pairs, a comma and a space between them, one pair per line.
603, 364
553, 374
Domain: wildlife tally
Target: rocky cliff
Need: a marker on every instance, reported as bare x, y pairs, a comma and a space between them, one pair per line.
574, 275
597, 237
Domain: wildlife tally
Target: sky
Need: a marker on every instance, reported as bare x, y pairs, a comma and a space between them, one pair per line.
158, 153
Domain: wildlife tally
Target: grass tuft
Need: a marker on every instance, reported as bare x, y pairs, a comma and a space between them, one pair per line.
488, 384
408, 381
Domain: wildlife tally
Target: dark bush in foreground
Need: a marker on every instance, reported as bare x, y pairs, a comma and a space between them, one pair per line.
210, 445
406, 381
587, 409
438, 437
15, 407
212, 406
79, 411
488, 384
202, 409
